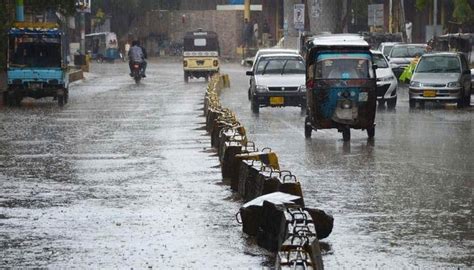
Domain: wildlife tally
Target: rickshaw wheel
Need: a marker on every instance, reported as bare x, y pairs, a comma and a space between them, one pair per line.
307, 131
186, 77
371, 132
412, 103
346, 134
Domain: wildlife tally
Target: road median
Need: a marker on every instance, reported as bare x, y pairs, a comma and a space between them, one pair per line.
275, 212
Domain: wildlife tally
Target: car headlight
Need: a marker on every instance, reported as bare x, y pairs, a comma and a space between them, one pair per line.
387, 79
261, 88
302, 88
454, 84
415, 84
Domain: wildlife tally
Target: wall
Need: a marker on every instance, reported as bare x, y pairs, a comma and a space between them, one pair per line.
174, 24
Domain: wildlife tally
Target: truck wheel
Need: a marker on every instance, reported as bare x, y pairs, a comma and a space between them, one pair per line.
346, 134
60, 98
254, 106
186, 77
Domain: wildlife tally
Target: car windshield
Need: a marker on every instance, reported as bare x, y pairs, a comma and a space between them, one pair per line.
343, 66
280, 66
387, 49
380, 61
439, 64
406, 51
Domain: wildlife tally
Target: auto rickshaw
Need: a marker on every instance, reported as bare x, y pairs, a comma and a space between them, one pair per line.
341, 85
200, 54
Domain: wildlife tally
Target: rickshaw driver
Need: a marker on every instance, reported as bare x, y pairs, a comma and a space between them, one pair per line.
137, 54
343, 70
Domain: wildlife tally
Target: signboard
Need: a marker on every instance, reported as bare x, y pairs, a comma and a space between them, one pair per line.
83, 6
299, 17
375, 15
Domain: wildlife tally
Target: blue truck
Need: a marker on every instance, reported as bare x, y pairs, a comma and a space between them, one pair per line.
36, 63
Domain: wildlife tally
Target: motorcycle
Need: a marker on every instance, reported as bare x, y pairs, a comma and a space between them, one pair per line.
137, 72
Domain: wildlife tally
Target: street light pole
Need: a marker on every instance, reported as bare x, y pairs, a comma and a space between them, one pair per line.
435, 16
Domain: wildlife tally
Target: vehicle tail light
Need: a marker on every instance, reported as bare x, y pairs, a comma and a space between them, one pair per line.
216, 63
136, 66
185, 63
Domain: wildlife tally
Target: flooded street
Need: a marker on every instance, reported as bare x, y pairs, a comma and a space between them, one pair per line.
121, 177
404, 200
124, 177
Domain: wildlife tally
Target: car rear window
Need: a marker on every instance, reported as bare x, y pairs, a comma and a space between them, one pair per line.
407, 51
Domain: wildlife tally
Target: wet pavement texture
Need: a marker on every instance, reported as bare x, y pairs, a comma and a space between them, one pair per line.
124, 176
403, 200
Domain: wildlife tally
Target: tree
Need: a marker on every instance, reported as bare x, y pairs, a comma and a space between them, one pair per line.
463, 12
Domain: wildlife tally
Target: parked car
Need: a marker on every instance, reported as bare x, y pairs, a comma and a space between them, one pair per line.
278, 80
402, 54
441, 77
387, 83
386, 47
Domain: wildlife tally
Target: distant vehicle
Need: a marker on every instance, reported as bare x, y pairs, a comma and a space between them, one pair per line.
278, 80
441, 77
200, 54
268, 51
387, 83
386, 47
402, 54
36, 63
103, 46
341, 85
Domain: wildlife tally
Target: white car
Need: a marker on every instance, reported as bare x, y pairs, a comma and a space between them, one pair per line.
387, 83
278, 80
268, 51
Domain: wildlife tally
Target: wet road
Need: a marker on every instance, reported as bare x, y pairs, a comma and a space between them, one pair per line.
123, 177
402, 201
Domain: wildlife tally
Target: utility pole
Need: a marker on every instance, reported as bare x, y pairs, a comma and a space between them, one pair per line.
247, 9
390, 17
435, 16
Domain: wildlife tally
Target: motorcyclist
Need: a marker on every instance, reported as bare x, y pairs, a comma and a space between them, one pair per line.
137, 54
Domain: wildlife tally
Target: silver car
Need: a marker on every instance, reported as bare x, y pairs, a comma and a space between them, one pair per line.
402, 55
441, 77
278, 80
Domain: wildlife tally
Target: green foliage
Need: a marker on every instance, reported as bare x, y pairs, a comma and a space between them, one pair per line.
463, 12
421, 4
64, 6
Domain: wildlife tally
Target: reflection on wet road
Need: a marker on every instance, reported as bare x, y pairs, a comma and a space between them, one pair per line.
403, 200
124, 176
